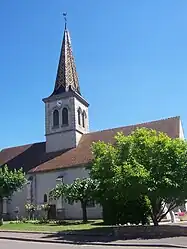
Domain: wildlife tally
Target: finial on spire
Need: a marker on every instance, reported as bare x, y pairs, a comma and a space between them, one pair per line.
65, 19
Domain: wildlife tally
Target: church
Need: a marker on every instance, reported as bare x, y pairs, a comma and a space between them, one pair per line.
67, 148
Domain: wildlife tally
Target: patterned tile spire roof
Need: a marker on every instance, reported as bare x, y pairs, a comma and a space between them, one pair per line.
67, 78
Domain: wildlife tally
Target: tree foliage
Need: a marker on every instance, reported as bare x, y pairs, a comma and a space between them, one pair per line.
146, 163
10, 181
81, 190
61, 190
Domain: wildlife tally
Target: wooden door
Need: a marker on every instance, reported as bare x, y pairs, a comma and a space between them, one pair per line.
52, 212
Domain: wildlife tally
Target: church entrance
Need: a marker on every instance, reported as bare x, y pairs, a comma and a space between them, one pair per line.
52, 212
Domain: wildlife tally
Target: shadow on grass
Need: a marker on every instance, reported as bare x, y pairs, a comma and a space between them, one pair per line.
70, 223
108, 234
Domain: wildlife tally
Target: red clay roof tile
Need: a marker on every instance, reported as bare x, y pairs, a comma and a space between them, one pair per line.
33, 158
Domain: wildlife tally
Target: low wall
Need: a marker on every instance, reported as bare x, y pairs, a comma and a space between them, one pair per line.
150, 232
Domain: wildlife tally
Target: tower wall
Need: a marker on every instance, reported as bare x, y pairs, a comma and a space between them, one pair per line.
60, 141
68, 136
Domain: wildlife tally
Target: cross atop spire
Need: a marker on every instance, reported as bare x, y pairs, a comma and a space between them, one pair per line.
65, 19
67, 78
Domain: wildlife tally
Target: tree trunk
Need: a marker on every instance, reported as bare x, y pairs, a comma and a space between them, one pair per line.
155, 206
155, 221
1, 211
84, 212
1, 207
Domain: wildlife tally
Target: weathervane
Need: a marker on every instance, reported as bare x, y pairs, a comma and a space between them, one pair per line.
65, 18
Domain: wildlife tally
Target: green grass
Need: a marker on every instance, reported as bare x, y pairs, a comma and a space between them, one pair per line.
30, 226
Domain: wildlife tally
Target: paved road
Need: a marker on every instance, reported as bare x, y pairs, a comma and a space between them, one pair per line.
8, 244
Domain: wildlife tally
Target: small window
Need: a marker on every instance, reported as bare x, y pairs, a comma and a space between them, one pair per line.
65, 116
45, 198
90, 204
83, 118
60, 178
56, 118
79, 116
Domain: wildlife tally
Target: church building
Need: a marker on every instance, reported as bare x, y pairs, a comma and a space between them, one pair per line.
67, 147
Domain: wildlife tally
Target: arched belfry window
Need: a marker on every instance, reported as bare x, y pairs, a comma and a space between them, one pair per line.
79, 116
83, 118
45, 198
65, 116
55, 118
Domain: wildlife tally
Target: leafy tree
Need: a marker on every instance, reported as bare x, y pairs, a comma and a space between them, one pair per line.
120, 211
10, 181
61, 190
81, 190
45, 207
121, 203
145, 163
30, 209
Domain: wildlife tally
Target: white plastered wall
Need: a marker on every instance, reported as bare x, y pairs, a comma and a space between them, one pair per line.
181, 131
46, 181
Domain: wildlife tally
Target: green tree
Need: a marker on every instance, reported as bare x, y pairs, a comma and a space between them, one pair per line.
81, 190
61, 190
118, 197
145, 163
45, 207
30, 209
10, 181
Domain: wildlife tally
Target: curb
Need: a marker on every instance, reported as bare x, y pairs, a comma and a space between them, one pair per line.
92, 243
60, 233
28, 232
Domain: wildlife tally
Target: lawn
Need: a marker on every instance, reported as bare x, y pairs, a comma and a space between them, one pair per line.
51, 227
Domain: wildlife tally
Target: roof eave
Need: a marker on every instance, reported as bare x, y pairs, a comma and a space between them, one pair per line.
66, 95
32, 171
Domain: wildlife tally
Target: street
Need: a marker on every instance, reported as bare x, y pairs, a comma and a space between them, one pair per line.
8, 244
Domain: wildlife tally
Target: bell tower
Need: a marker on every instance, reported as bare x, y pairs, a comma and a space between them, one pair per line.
66, 111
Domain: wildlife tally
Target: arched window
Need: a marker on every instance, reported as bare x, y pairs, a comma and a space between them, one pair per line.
65, 116
79, 116
56, 118
45, 198
83, 118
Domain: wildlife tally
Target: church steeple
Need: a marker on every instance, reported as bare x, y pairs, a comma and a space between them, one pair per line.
67, 78
66, 111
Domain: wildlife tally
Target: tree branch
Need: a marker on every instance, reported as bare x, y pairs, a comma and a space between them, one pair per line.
171, 207
161, 210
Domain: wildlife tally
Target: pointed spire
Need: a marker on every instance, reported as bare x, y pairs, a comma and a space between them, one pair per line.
67, 78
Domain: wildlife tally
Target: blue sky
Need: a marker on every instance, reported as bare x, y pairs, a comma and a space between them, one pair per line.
131, 58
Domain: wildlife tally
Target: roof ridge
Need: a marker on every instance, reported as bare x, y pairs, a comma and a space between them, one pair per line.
147, 122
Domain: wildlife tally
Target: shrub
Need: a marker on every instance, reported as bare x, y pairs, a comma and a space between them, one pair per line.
23, 220
133, 212
30, 208
45, 207
43, 221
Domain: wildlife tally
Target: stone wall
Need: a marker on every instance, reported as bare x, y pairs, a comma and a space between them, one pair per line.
64, 137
